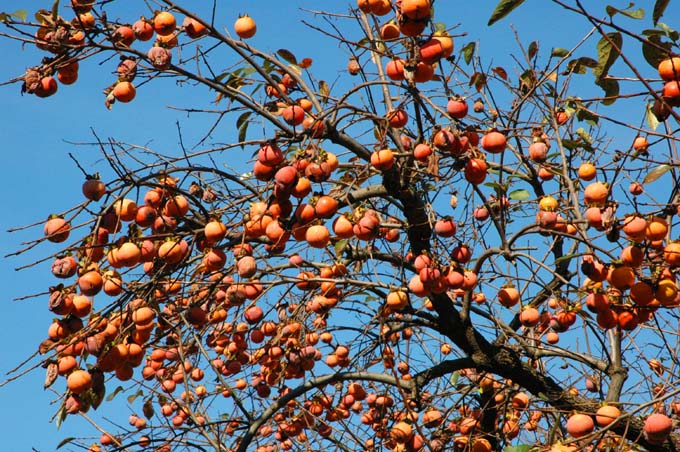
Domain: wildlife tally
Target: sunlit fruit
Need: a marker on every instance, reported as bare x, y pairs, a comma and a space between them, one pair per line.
124, 91
606, 414
494, 142
657, 427
79, 381
164, 23
245, 27
57, 229
579, 425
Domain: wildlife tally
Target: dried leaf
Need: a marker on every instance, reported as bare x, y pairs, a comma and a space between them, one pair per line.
51, 374
533, 50
478, 80
64, 442
45, 346
499, 71
305, 63
324, 90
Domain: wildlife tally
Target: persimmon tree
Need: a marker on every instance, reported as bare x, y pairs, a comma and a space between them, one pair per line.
431, 254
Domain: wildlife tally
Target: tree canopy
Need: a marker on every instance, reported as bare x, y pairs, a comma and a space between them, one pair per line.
431, 251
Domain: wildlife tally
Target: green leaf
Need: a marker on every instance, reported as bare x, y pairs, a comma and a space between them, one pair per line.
559, 52
651, 51
659, 8
632, 13
518, 448
608, 50
519, 195
652, 120
20, 14
611, 89
503, 8
132, 397
570, 144
61, 416
579, 65
468, 51
287, 55
527, 80
114, 393
242, 126
440, 26
55, 10
566, 258
656, 173
340, 246
454, 378
668, 31
583, 114
585, 136
64, 442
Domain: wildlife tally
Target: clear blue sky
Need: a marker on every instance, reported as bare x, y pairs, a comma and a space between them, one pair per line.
38, 178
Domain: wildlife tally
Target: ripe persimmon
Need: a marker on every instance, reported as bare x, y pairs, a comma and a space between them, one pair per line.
587, 171
579, 425
143, 30
416, 9
293, 115
125, 209
57, 229
124, 35
595, 194
325, 206
494, 142
671, 254
124, 91
383, 159
193, 28
657, 427
508, 296
317, 236
606, 414
79, 381
389, 31
93, 188
245, 27
457, 108
397, 118
395, 69
475, 171
669, 69
164, 23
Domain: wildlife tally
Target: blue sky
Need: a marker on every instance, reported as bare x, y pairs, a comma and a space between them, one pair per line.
38, 178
